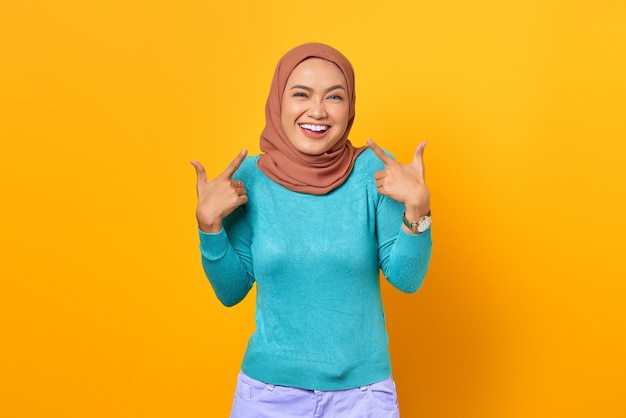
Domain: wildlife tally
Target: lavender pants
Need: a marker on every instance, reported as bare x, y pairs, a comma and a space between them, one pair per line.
254, 399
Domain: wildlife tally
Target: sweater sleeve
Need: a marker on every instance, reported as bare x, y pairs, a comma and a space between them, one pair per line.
403, 257
227, 260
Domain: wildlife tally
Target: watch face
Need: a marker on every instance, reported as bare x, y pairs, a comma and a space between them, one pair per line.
424, 225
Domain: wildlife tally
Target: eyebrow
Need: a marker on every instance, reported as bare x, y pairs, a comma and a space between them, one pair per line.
309, 89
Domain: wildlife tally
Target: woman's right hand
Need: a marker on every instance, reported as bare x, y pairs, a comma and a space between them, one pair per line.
217, 198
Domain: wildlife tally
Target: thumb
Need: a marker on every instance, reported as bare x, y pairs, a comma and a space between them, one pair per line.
199, 171
418, 158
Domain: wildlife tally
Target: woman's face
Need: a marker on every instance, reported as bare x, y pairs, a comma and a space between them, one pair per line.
315, 107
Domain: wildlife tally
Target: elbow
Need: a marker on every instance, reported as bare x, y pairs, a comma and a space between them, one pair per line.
229, 299
409, 281
231, 295
411, 287
417, 277
229, 303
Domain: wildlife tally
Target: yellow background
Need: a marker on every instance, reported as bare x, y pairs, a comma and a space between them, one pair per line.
105, 311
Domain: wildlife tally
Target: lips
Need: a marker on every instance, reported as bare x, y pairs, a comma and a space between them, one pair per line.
314, 131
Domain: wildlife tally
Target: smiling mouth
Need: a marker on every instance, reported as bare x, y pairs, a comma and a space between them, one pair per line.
314, 128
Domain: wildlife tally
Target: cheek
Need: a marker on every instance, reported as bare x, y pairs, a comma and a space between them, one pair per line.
288, 112
342, 115
284, 117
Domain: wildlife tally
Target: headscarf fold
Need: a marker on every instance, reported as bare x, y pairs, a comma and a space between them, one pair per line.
281, 161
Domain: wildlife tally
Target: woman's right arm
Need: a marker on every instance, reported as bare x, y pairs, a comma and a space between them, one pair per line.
224, 232
227, 260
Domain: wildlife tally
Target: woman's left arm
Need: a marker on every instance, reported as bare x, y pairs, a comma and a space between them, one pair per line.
404, 254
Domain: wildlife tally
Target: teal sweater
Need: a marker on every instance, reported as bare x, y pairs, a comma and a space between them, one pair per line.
315, 259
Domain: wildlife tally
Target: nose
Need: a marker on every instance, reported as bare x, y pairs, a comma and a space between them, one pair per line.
317, 110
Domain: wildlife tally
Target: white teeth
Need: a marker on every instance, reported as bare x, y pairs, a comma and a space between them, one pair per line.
316, 128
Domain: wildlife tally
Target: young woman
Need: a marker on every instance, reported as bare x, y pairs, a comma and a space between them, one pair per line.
311, 221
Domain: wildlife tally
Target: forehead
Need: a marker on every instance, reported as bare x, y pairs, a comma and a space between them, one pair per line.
316, 71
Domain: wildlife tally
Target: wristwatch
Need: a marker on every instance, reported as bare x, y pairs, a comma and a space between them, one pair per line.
420, 226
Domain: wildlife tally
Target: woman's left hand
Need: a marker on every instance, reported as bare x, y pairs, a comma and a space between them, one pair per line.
404, 183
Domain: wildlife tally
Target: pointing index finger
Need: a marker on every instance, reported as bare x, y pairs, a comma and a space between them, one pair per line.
386, 159
234, 164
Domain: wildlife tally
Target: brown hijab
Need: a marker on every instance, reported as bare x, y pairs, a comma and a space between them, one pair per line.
312, 174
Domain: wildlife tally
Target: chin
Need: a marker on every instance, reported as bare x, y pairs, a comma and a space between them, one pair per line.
311, 149
310, 152
315, 148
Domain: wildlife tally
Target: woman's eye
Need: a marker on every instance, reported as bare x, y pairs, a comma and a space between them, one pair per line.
299, 94
335, 97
